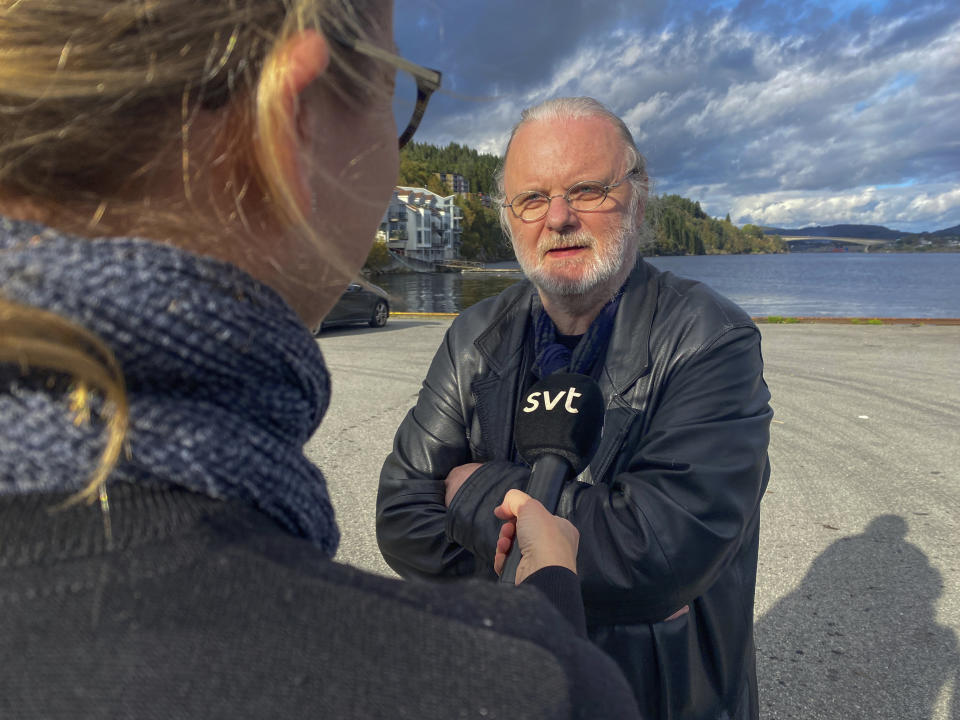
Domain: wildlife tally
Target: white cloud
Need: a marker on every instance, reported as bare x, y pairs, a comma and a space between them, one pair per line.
786, 122
912, 209
937, 204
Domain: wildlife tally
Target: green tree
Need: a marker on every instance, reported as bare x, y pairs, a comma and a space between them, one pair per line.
435, 185
477, 168
681, 227
482, 237
378, 259
413, 173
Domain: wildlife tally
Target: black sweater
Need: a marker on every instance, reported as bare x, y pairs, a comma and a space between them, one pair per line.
202, 608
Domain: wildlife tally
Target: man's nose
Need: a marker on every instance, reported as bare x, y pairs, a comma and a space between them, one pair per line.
560, 216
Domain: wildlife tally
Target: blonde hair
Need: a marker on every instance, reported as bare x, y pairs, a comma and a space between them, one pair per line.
33, 339
98, 97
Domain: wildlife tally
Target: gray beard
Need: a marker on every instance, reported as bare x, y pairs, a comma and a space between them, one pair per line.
601, 271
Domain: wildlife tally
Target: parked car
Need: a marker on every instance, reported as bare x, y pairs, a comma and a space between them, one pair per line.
358, 305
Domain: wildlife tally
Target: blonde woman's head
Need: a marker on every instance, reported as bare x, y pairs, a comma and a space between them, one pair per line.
246, 130
240, 129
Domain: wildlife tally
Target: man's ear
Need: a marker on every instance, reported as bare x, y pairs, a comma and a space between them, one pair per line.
641, 209
288, 133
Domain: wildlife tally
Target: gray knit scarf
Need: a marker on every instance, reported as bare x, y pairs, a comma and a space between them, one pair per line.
225, 383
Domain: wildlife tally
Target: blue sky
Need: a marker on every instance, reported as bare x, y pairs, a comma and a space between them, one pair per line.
785, 114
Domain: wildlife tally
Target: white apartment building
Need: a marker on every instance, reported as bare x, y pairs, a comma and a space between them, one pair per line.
422, 225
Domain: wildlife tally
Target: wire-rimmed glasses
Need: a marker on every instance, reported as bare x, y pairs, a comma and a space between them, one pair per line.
427, 80
584, 196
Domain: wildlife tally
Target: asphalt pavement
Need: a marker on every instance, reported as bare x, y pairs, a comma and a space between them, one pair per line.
858, 591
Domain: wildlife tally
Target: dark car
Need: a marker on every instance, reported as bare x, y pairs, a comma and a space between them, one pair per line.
358, 305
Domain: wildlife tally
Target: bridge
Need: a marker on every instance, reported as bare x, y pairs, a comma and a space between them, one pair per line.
817, 243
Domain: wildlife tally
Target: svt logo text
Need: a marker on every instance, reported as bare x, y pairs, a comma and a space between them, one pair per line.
551, 401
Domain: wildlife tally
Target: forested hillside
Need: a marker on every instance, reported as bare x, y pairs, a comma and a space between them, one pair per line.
677, 226
419, 161
680, 227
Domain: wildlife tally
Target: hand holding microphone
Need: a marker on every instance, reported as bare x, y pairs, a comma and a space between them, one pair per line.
543, 538
557, 431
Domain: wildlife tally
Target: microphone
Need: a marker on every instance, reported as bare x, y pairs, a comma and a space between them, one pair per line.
557, 431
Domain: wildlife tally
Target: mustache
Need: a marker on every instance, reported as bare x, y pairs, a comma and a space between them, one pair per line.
556, 241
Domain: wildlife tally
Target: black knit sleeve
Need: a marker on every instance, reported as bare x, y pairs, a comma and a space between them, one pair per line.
562, 588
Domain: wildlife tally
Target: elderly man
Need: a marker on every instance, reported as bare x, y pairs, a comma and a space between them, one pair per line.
669, 507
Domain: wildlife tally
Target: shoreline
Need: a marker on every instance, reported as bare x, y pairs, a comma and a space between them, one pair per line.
766, 319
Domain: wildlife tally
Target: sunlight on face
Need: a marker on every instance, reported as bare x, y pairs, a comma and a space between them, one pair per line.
581, 275
571, 252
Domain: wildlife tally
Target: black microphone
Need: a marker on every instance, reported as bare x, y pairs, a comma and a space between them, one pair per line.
556, 431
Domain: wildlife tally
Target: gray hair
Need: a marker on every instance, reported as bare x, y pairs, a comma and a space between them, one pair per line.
572, 108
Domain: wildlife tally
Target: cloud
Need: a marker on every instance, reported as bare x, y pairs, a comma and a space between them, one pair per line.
897, 208
813, 105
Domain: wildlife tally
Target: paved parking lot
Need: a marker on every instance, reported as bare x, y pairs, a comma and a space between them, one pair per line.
858, 594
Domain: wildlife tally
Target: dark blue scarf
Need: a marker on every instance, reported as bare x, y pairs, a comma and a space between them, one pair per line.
225, 383
551, 356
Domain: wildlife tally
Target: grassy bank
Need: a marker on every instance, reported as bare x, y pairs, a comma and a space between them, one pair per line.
786, 320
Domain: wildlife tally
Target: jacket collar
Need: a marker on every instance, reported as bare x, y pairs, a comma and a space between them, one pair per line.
501, 344
628, 353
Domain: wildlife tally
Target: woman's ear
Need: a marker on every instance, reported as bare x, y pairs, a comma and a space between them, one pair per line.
304, 57
285, 129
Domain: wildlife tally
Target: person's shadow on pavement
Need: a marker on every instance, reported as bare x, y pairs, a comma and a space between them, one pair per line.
859, 637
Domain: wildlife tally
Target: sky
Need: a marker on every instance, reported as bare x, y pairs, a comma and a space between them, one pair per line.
784, 114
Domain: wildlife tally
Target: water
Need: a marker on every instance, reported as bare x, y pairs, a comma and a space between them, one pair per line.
923, 285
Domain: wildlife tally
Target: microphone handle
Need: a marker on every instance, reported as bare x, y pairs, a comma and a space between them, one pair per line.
547, 477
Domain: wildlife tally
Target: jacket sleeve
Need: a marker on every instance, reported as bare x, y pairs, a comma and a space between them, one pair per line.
415, 532
672, 518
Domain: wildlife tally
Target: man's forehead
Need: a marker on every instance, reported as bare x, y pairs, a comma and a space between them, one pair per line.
562, 150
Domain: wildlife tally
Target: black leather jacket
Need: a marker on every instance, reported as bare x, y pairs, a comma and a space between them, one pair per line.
668, 510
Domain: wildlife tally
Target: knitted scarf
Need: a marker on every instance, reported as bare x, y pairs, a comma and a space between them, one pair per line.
225, 384
551, 356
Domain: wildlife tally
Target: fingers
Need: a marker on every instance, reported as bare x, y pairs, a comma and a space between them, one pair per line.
503, 550
504, 542
512, 502
543, 538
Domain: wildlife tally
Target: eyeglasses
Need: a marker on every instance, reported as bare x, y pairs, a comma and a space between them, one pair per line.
427, 80
585, 196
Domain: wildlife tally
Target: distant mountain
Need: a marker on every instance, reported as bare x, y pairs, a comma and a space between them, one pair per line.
865, 232
948, 232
